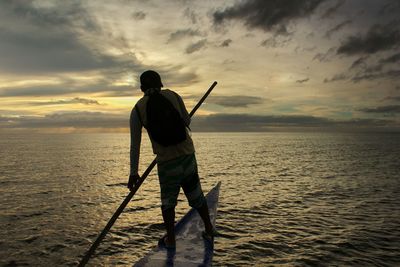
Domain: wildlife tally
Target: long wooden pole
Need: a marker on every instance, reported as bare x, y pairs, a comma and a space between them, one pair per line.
128, 198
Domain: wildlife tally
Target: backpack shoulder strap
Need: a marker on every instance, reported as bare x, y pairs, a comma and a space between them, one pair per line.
179, 100
181, 105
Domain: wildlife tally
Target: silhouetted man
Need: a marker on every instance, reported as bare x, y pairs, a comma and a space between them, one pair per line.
176, 162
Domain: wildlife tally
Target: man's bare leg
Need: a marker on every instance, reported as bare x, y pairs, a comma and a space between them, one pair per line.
169, 221
205, 216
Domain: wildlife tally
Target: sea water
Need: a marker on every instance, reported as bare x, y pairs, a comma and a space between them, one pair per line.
290, 199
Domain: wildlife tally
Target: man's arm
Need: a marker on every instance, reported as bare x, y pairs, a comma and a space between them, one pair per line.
136, 137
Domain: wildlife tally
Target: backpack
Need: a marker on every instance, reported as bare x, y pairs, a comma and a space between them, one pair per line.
164, 123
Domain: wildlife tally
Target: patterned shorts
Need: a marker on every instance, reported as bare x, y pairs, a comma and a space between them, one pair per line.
177, 173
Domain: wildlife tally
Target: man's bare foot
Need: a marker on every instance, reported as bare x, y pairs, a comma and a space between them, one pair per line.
165, 242
169, 243
210, 234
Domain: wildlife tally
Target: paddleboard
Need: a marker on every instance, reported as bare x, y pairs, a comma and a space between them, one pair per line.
191, 248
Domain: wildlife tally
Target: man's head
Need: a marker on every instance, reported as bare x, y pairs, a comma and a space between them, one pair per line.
150, 79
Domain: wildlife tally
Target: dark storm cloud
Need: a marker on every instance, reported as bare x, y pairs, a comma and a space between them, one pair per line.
337, 28
391, 109
226, 43
237, 101
332, 10
391, 59
71, 119
258, 120
303, 80
365, 68
269, 16
378, 38
369, 73
36, 40
196, 46
76, 100
390, 74
44, 53
58, 13
216, 122
375, 69
246, 122
180, 34
391, 7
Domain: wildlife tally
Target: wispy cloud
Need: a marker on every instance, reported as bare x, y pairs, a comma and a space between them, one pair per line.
76, 100
180, 34
337, 77
276, 41
391, 109
239, 101
303, 80
139, 15
360, 62
191, 15
333, 9
390, 74
378, 38
196, 46
366, 73
391, 59
103, 87
226, 43
337, 28
325, 57
100, 86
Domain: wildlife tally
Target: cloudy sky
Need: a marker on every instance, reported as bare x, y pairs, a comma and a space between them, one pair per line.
74, 65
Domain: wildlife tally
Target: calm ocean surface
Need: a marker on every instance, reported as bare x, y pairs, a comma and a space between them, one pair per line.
287, 199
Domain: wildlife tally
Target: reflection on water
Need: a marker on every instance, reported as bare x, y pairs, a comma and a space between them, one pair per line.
286, 198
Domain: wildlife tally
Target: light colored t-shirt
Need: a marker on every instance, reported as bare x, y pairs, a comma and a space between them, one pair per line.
163, 153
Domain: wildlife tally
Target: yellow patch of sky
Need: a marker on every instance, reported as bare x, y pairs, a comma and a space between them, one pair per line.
10, 81
119, 103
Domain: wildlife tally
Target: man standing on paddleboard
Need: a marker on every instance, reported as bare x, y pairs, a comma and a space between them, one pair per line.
164, 115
